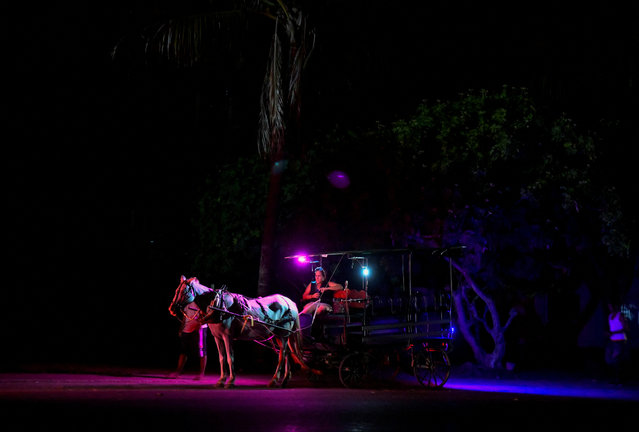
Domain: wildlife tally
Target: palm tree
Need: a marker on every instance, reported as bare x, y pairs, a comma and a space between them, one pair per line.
190, 38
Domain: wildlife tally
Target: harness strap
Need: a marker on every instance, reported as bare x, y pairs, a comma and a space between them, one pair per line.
246, 319
195, 317
254, 320
264, 312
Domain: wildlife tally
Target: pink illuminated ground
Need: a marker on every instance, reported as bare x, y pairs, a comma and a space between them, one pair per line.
131, 400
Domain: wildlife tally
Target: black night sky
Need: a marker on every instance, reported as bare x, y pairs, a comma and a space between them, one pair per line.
104, 158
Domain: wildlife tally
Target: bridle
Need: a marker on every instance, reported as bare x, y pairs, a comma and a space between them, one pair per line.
188, 291
218, 303
184, 292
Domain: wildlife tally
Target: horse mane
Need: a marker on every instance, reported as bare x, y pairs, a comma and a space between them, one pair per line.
203, 294
198, 287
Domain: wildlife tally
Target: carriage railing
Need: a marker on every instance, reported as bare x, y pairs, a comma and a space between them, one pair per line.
383, 331
392, 319
350, 307
386, 331
434, 306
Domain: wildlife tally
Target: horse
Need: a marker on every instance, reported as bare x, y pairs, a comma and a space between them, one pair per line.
231, 316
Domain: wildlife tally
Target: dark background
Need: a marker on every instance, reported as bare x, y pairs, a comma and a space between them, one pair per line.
106, 157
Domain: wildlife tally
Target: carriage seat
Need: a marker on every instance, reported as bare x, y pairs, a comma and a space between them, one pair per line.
349, 306
344, 323
351, 301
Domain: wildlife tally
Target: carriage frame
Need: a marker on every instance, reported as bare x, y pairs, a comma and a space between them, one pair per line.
398, 317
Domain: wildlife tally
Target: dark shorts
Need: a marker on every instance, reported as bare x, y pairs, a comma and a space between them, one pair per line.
194, 343
617, 353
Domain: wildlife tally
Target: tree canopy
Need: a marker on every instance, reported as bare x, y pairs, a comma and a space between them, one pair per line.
521, 189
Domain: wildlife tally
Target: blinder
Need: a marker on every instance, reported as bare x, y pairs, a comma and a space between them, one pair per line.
216, 311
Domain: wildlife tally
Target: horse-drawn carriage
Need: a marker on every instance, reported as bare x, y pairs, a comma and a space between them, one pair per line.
394, 312
393, 315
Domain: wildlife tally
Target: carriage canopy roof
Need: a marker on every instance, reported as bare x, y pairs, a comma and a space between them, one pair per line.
398, 271
368, 252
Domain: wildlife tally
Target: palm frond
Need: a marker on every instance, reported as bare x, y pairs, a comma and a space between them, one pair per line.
188, 39
299, 56
271, 124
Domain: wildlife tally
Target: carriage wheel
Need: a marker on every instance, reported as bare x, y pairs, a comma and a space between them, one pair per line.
431, 368
353, 369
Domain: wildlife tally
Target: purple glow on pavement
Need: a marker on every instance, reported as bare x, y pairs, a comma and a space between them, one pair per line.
19, 383
581, 388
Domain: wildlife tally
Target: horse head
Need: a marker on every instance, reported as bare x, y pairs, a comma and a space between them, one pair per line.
184, 294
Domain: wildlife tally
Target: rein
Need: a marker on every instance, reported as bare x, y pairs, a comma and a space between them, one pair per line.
195, 317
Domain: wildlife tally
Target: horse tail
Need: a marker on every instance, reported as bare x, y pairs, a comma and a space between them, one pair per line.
295, 344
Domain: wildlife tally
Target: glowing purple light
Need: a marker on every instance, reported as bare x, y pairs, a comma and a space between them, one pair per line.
301, 259
339, 179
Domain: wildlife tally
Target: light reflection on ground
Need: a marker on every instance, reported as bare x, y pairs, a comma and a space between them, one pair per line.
548, 387
548, 384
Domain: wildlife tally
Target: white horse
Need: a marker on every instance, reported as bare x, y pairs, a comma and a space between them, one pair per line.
232, 316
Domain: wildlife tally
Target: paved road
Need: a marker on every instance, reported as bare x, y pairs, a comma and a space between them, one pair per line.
146, 400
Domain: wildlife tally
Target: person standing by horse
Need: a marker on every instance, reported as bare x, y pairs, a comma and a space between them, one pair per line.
192, 339
319, 294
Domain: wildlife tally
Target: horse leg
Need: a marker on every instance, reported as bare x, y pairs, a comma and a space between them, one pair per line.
287, 364
230, 359
280, 363
221, 354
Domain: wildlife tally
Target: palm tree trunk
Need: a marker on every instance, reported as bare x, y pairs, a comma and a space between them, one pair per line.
278, 128
270, 225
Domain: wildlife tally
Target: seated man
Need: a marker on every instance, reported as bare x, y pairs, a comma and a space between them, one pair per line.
320, 296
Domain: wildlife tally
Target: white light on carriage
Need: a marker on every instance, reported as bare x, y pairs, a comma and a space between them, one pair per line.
365, 271
301, 259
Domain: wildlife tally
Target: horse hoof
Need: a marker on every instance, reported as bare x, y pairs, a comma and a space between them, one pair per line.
219, 384
271, 384
229, 386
